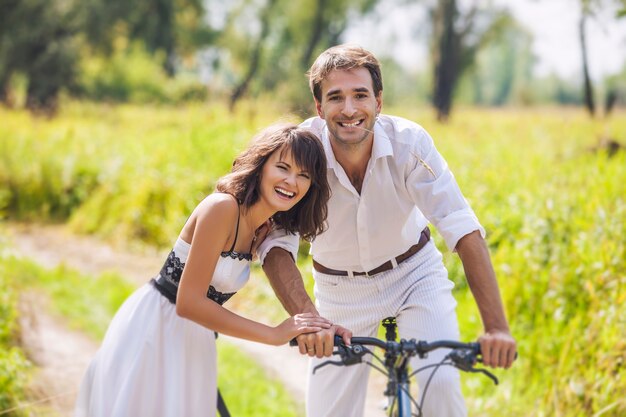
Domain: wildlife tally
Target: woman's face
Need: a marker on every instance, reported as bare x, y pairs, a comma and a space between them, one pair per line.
283, 182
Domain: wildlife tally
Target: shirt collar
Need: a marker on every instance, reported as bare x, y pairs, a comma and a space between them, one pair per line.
381, 148
382, 145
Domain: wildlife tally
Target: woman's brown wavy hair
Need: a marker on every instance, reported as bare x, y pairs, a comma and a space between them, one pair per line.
308, 216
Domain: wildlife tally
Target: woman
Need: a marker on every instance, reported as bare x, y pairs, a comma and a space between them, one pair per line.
158, 356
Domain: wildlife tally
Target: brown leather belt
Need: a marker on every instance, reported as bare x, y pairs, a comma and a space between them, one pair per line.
424, 238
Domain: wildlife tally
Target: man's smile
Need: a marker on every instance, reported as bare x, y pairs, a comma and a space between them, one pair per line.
350, 124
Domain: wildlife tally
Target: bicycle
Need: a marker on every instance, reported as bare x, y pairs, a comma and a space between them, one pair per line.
400, 402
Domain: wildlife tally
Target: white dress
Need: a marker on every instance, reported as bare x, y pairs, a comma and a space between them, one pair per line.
153, 363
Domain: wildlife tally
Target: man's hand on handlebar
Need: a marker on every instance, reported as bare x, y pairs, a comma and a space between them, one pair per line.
498, 349
321, 343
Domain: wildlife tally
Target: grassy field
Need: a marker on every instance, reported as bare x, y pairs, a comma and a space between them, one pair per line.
554, 209
14, 367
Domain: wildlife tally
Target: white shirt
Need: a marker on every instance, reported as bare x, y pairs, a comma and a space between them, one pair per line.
407, 185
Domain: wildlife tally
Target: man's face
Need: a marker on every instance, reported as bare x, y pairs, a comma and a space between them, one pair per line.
349, 105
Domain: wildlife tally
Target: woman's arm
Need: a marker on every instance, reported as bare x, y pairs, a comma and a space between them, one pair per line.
213, 224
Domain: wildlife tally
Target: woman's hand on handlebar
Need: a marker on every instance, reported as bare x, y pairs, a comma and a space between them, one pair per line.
321, 343
305, 323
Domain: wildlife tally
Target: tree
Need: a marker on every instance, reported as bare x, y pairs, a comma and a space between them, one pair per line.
587, 84
456, 39
41, 39
44, 52
589, 10
328, 24
273, 50
171, 26
241, 88
7, 46
503, 68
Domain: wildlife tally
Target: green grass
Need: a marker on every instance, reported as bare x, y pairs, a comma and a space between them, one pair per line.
14, 367
247, 390
87, 303
99, 167
554, 210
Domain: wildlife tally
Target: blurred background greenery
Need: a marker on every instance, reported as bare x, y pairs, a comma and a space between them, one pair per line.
119, 116
171, 51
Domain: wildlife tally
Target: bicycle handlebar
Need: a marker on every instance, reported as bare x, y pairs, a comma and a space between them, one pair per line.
462, 355
395, 364
421, 348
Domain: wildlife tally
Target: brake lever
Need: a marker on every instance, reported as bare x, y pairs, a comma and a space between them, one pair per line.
336, 363
486, 372
350, 355
465, 361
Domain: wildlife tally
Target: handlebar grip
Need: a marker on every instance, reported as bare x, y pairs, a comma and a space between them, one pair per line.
476, 348
337, 341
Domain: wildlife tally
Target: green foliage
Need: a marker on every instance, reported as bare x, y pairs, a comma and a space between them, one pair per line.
554, 213
297, 33
246, 389
502, 70
13, 378
14, 366
72, 294
554, 210
42, 40
47, 188
81, 48
131, 74
128, 75
92, 166
160, 25
38, 41
457, 36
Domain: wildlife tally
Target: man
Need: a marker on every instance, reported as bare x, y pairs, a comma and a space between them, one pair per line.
376, 259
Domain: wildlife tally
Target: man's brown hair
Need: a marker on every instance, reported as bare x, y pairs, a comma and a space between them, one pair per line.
343, 57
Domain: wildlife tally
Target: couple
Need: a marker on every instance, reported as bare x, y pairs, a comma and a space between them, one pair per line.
365, 186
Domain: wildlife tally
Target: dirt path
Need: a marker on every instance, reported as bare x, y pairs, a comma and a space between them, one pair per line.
62, 352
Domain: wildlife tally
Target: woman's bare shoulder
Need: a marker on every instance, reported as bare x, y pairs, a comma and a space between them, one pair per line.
220, 204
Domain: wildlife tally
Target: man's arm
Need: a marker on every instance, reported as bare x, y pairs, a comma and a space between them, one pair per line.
287, 283
497, 344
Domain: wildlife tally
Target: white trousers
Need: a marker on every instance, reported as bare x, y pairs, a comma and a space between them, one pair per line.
418, 293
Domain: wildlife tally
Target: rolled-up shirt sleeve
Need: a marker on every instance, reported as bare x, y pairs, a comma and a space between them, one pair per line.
436, 193
278, 238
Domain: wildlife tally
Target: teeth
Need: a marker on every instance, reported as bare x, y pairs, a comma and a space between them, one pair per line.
353, 124
285, 192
